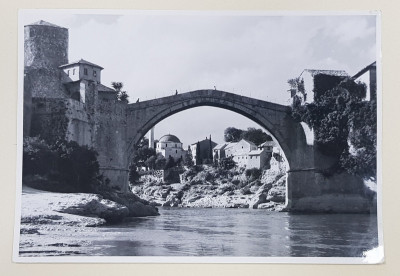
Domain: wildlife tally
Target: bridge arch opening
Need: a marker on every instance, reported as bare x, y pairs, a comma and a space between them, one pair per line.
272, 117
209, 120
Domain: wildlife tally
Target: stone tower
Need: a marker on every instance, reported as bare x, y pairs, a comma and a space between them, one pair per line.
46, 45
45, 49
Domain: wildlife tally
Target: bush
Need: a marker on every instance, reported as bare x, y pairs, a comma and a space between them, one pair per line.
65, 165
253, 174
227, 163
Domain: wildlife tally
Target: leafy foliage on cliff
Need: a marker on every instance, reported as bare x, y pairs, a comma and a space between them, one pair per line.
122, 95
257, 136
344, 126
62, 166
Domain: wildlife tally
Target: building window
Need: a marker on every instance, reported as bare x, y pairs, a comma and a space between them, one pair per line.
85, 71
73, 71
176, 145
176, 151
67, 72
94, 73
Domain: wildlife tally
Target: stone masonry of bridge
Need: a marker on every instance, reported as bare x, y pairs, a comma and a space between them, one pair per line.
307, 187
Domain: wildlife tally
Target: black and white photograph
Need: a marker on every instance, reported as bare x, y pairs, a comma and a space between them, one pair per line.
199, 136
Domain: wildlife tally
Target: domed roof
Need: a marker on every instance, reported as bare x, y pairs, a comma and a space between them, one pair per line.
169, 138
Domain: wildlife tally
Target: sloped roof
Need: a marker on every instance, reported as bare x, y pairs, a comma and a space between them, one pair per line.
205, 141
364, 70
45, 23
81, 61
255, 152
230, 144
314, 72
103, 88
268, 143
220, 146
169, 138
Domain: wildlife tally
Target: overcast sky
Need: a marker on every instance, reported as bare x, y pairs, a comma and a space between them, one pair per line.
154, 55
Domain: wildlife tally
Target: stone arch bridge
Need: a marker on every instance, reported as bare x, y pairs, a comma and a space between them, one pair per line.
307, 188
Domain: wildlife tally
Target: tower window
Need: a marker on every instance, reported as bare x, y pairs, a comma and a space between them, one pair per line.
94, 73
67, 72
73, 71
85, 72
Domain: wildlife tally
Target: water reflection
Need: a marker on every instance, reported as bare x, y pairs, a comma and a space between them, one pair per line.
238, 232
333, 235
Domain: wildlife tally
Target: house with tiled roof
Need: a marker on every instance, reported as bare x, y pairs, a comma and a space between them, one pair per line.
79, 75
245, 154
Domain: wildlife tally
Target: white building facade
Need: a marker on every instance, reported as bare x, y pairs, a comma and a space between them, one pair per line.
170, 146
245, 154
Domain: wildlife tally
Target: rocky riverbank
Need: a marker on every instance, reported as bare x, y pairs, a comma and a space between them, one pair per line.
208, 187
57, 223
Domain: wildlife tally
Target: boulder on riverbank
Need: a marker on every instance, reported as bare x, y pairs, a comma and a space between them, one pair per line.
136, 206
80, 209
91, 205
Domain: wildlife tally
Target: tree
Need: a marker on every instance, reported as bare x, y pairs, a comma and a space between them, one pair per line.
151, 162
232, 134
257, 136
170, 163
227, 163
160, 162
133, 174
122, 95
142, 155
189, 159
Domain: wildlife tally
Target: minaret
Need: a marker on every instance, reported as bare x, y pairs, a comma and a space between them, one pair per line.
210, 152
151, 138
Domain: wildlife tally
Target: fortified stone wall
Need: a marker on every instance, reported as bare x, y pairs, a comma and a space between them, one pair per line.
110, 142
44, 83
27, 106
55, 119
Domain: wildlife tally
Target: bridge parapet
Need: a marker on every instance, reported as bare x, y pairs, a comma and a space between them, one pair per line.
217, 94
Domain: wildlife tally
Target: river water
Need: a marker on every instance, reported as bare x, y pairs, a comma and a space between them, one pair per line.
238, 232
